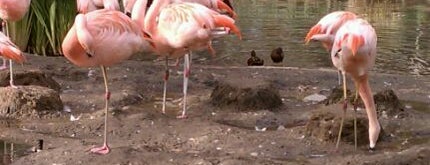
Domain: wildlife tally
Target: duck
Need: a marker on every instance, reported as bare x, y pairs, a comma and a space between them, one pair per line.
277, 55
254, 60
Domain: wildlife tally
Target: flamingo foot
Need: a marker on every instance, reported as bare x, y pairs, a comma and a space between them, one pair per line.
183, 116
101, 150
12, 85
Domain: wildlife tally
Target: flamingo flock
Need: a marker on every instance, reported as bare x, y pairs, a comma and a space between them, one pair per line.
103, 36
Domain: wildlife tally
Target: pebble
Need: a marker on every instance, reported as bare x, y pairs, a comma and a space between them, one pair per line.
315, 98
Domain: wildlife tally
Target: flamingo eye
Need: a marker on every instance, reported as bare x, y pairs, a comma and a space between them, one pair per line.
337, 53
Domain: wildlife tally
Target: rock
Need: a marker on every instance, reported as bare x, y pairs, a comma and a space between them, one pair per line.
29, 77
29, 101
315, 98
256, 96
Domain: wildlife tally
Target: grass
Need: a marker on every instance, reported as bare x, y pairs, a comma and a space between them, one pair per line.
42, 30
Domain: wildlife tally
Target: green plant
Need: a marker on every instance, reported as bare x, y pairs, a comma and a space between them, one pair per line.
44, 27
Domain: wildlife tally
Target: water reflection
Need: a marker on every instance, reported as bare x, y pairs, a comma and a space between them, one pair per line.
402, 27
8, 153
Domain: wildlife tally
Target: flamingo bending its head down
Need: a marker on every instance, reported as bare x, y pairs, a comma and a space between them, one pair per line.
353, 53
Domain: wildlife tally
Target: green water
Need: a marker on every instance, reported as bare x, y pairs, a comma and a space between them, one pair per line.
403, 29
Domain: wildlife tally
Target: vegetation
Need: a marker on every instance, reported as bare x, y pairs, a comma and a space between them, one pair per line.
42, 30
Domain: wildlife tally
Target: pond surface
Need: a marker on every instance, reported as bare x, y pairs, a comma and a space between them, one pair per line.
11, 151
403, 29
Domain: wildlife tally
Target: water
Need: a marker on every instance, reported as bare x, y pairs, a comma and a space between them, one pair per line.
11, 151
403, 29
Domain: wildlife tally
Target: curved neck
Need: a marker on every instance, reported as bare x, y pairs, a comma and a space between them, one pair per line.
138, 12
151, 15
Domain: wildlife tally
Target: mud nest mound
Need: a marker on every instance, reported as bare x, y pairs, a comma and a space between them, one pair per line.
29, 102
324, 126
31, 77
246, 96
386, 101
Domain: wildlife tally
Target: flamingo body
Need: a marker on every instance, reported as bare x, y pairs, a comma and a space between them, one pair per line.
102, 38
13, 10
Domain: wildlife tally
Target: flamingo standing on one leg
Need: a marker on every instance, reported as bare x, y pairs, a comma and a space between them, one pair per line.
179, 28
85, 6
102, 38
326, 29
12, 10
353, 53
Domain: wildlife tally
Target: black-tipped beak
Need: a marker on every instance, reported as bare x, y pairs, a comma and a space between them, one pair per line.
128, 14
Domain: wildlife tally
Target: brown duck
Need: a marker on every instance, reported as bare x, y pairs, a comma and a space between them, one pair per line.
254, 60
277, 55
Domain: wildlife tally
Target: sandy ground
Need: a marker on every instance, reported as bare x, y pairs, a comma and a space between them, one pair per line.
140, 134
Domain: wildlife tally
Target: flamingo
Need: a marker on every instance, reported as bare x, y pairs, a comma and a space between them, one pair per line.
325, 30
177, 29
85, 6
12, 10
353, 53
103, 38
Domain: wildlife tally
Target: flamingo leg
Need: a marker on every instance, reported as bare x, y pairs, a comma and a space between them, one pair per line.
339, 77
345, 104
166, 77
105, 148
355, 115
6, 31
187, 63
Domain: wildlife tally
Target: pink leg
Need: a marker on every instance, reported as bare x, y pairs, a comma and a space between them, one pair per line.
105, 148
166, 77
11, 75
187, 62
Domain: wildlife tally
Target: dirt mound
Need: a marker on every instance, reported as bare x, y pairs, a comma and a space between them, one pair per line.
29, 77
29, 101
324, 126
258, 97
386, 101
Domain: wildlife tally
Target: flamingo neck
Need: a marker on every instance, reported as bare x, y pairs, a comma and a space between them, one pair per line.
152, 14
138, 12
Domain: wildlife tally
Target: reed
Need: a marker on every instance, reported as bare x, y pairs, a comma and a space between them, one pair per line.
43, 28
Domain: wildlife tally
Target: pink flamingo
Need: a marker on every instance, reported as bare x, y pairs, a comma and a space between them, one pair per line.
353, 53
12, 10
103, 38
85, 6
325, 30
179, 28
